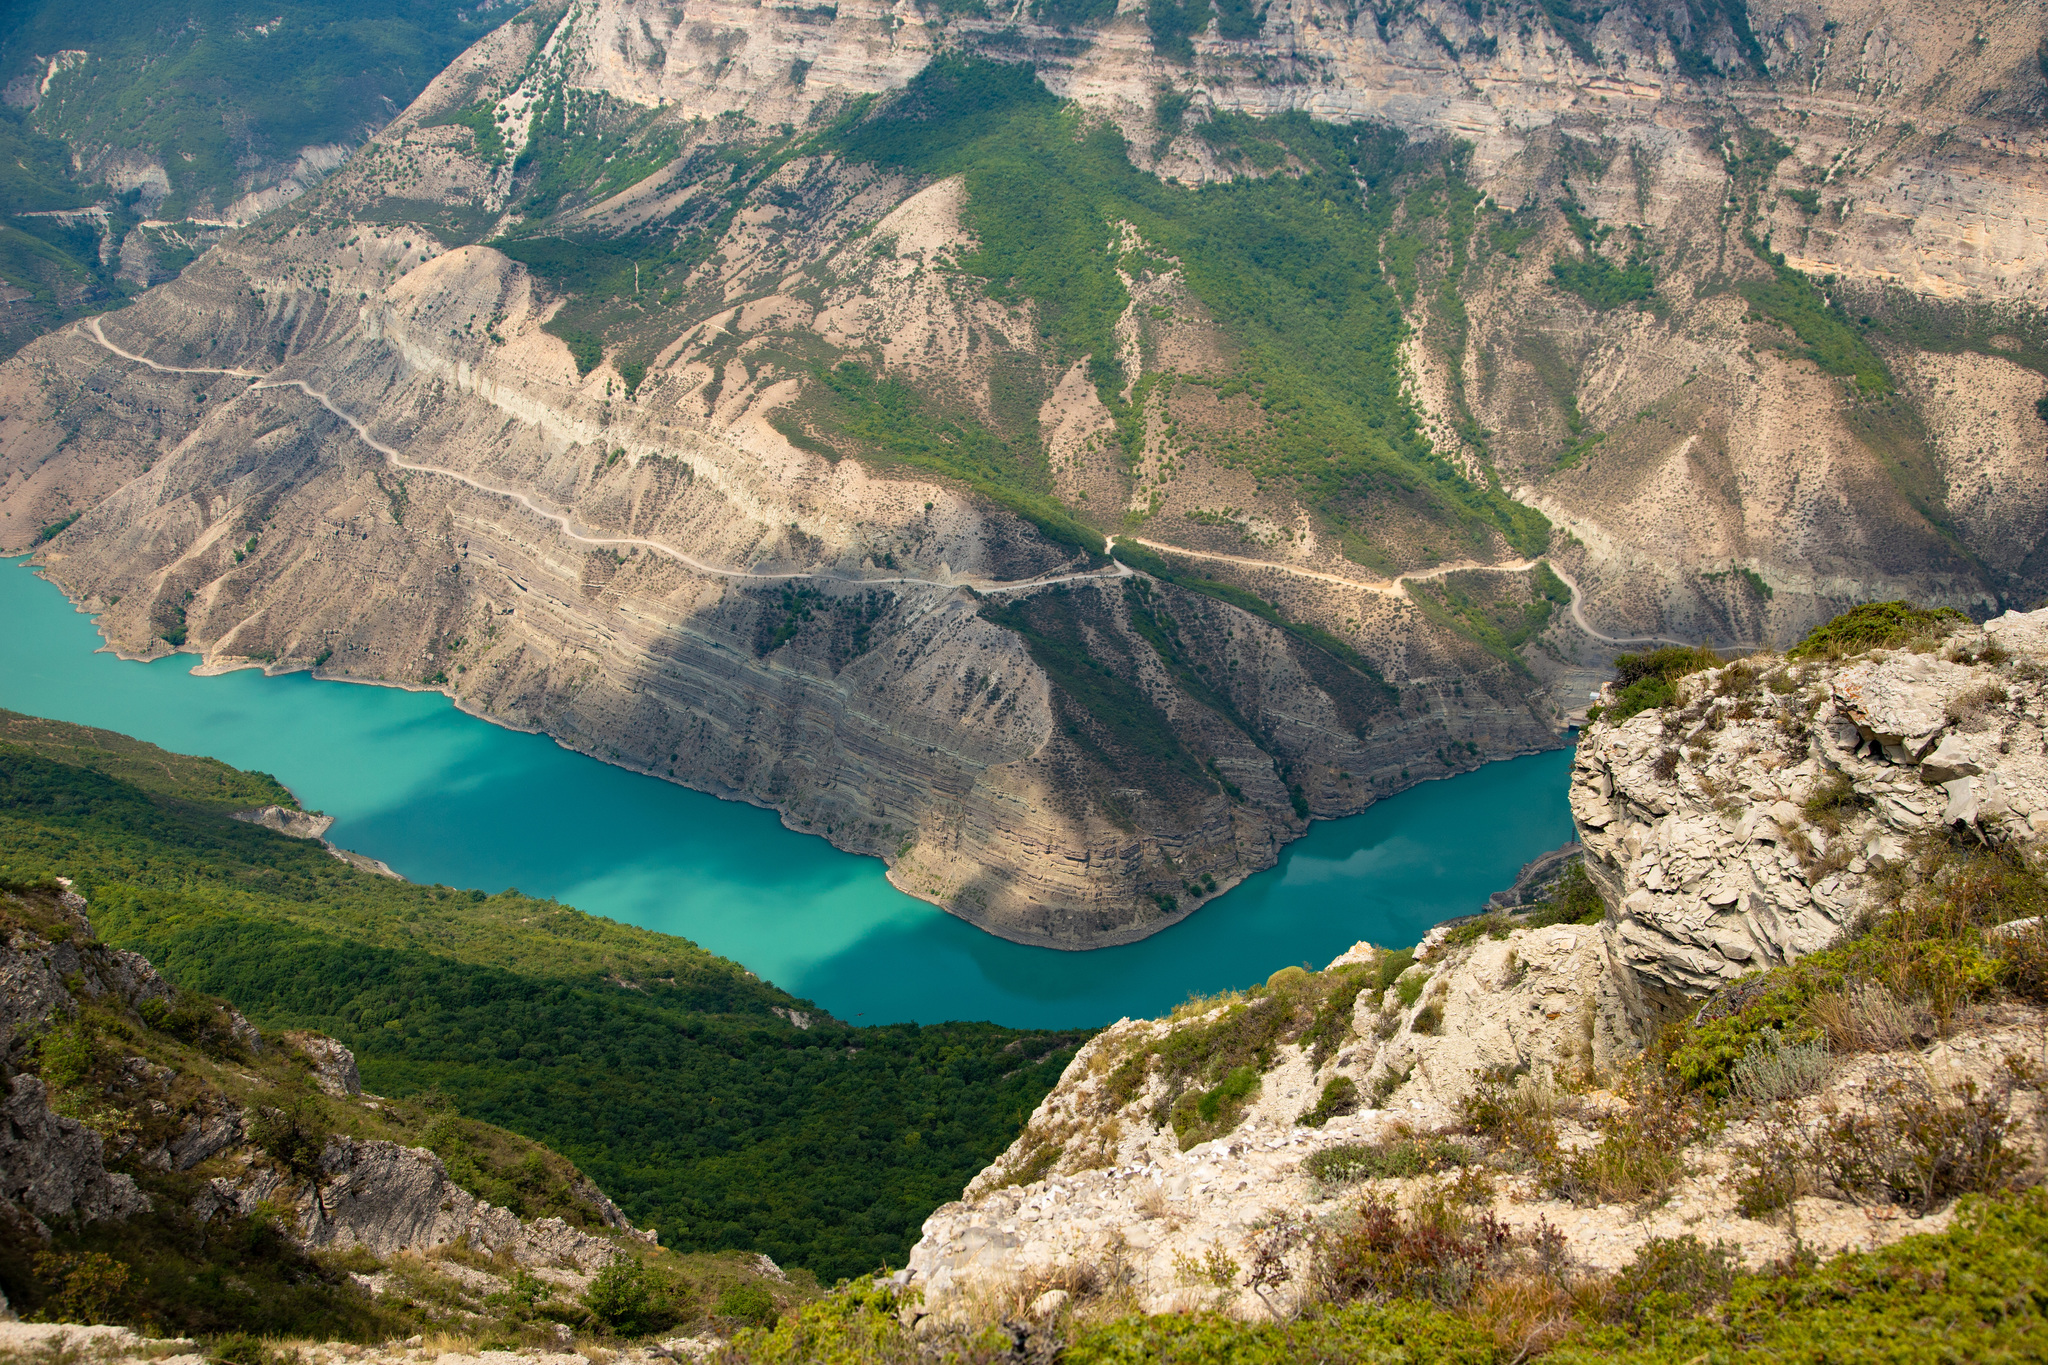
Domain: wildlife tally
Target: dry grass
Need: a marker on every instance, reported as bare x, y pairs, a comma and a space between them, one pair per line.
1866, 1017
1970, 707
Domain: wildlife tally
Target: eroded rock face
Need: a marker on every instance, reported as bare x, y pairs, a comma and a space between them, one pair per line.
36, 972
388, 1199
1748, 826
53, 1166
334, 1066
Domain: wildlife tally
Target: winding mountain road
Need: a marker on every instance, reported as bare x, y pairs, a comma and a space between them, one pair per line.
573, 530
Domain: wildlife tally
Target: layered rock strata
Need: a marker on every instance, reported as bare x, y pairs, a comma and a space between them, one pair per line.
355, 438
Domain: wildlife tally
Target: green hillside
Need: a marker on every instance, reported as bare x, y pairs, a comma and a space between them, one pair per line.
655, 1066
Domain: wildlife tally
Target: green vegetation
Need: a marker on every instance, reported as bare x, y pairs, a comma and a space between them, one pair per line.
893, 422
1498, 612
1101, 704
1437, 1286
1926, 960
141, 1069
1828, 336
201, 86
1590, 275
204, 782
1174, 571
1648, 681
1875, 625
1287, 263
658, 1068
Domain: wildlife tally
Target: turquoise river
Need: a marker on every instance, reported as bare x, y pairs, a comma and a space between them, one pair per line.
445, 797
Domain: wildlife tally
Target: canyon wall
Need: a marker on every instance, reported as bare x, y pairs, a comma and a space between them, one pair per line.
354, 437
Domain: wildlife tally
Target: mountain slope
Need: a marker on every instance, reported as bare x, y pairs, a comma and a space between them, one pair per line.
751, 400
665, 1073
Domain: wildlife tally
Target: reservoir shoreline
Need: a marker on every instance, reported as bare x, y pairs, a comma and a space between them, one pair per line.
414, 782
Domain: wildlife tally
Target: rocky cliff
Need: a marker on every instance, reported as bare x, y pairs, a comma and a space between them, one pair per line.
117, 1078
1771, 809
640, 386
1755, 821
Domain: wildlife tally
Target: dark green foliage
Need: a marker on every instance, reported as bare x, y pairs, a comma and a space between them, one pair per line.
190, 82
1874, 625
483, 126
56, 528
1499, 613
292, 1135
1172, 24
1674, 1277
1573, 900
1174, 572
204, 782
1648, 680
1602, 283
58, 264
631, 1299
701, 1112
1288, 264
1127, 727
1340, 1096
1827, 335
587, 145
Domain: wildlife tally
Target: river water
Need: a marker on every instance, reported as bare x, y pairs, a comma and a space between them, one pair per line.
445, 797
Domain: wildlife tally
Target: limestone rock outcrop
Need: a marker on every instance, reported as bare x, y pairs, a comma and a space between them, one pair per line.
384, 1196
1752, 823
53, 1167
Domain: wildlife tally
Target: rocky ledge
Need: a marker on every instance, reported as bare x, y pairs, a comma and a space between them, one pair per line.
1772, 806
1751, 822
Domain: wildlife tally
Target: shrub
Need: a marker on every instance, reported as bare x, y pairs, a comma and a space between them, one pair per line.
1874, 625
629, 1299
1772, 1069
83, 1286
1864, 1017
2022, 957
293, 1136
1772, 1173
1673, 1276
1832, 801
239, 1348
1572, 900
1909, 1147
1648, 680
1340, 1096
1399, 1158
1640, 1154
1430, 1018
746, 1303
1397, 1333
1516, 1110
1202, 1114
1332, 1022
1408, 989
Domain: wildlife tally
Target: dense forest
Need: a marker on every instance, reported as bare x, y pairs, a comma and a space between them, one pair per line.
661, 1070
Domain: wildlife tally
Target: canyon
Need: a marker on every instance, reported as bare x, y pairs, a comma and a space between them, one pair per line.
647, 383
